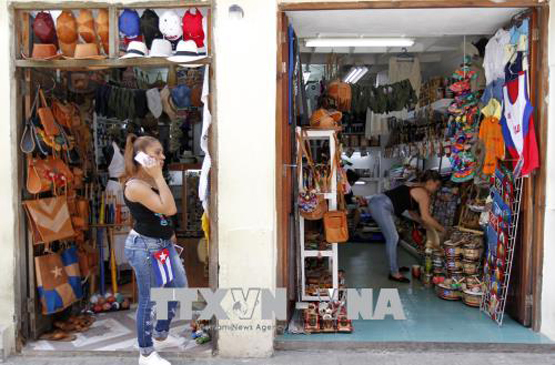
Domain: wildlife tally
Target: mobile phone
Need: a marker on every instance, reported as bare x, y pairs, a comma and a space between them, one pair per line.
143, 158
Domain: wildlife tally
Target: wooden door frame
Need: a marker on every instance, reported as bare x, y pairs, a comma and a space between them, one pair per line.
536, 186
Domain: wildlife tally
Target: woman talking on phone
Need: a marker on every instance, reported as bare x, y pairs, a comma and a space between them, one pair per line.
149, 246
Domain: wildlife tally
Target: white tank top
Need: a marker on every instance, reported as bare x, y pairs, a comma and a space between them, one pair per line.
514, 113
117, 165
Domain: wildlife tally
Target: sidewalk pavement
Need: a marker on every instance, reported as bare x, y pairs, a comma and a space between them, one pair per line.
316, 358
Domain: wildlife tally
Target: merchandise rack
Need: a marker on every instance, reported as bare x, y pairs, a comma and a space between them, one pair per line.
331, 197
499, 313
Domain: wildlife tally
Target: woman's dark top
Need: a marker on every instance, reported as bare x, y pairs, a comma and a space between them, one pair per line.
148, 223
401, 199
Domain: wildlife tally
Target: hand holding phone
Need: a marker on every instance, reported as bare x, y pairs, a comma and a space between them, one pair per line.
144, 159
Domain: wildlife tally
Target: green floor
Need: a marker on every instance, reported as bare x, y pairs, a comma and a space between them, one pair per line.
429, 319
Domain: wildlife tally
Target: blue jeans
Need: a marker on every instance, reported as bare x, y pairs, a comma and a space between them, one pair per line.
381, 209
138, 249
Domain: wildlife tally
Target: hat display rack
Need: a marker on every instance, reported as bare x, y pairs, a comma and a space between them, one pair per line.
89, 37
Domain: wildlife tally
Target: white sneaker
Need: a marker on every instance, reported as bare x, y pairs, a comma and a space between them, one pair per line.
153, 359
170, 341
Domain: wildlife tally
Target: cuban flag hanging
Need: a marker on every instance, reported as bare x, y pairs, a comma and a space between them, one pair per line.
162, 267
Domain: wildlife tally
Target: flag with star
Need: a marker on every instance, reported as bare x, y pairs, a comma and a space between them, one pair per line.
162, 267
53, 286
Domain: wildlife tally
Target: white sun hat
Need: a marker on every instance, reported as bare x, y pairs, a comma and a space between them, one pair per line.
136, 49
187, 51
161, 48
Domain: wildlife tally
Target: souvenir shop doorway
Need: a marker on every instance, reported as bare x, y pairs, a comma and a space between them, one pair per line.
411, 98
82, 90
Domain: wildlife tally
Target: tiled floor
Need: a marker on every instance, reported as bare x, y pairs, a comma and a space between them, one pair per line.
429, 319
116, 332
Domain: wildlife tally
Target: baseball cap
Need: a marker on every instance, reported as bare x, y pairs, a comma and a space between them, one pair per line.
150, 26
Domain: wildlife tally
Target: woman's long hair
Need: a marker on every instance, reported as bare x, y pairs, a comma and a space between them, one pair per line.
133, 146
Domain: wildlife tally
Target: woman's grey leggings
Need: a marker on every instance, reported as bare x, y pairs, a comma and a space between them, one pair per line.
381, 209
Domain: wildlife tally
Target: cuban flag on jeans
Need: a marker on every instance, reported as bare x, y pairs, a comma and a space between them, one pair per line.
162, 267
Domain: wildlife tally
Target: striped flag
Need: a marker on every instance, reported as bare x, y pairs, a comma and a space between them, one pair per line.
162, 267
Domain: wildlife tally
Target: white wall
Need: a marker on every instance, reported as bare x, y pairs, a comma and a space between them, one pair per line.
246, 96
548, 284
7, 187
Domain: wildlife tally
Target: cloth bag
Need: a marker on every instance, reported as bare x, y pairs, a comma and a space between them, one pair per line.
55, 292
70, 259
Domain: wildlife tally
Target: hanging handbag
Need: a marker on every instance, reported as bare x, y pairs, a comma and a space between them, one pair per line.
335, 226
342, 94
63, 113
49, 219
311, 202
73, 272
46, 117
38, 176
28, 143
55, 292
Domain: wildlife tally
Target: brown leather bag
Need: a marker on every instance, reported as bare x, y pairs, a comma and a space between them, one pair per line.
38, 176
49, 219
63, 113
88, 259
335, 226
47, 117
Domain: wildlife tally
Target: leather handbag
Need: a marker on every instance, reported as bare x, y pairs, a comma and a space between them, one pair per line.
47, 117
55, 291
335, 226
342, 94
38, 176
63, 113
28, 143
49, 219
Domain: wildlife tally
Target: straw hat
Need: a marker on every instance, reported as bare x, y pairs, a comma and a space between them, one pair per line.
167, 104
44, 52
103, 28
85, 26
161, 48
66, 28
87, 51
136, 49
187, 51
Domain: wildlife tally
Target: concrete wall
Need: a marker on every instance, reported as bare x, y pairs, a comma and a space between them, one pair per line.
246, 96
548, 284
8, 187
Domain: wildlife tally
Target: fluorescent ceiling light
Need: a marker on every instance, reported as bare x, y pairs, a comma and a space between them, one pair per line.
359, 42
355, 74
363, 71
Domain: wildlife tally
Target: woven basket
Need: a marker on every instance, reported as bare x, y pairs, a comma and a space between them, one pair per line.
472, 299
447, 293
472, 253
471, 267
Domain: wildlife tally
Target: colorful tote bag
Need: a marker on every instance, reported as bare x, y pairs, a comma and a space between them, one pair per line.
55, 292
70, 259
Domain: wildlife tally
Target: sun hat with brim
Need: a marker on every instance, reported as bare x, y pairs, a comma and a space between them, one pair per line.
187, 51
86, 51
161, 48
44, 28
136, 49
66, 29
85, 26
167, 103
44, 52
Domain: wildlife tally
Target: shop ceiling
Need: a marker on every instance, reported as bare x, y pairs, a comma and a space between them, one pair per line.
434, 30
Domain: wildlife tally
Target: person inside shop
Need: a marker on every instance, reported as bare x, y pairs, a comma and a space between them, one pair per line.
413, 198
151, 203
